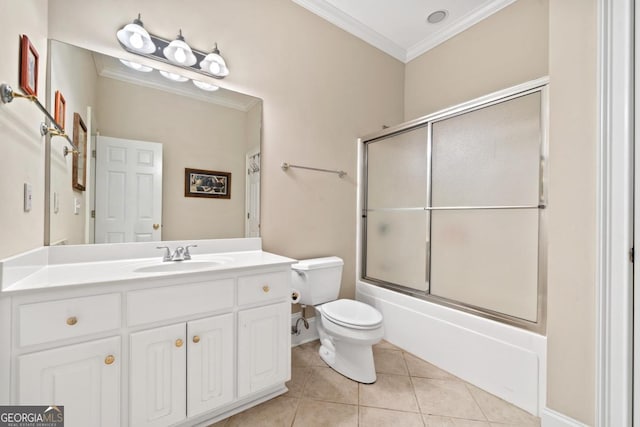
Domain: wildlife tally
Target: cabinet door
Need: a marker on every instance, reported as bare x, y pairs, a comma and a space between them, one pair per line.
84, 378
263, 347
210, 358
157, 376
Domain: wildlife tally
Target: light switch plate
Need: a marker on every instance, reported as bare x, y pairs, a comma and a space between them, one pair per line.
28, 196
76, 206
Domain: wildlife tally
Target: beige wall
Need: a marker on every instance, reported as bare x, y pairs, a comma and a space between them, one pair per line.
194, 134
75, 77
21, 145
508, 48
572, 208
322, 88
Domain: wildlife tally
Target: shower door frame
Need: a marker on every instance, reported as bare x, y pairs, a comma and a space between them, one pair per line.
538, 85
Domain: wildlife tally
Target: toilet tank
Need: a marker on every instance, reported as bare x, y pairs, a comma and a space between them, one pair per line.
317, 280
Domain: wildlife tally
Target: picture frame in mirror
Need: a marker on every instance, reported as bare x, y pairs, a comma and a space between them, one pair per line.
206, 183
28, 66
60, 110
79, 171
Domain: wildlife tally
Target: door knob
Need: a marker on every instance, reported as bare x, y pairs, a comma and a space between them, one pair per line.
196, 339
109, 359
156, 226
179, 343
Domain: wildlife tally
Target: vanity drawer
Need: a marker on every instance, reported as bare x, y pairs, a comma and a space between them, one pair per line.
170, 302
263, 287
68, 318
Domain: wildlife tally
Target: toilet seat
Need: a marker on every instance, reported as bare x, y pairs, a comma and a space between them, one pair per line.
352, 314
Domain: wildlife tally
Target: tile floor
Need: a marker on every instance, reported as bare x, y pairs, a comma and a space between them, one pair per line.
409, 392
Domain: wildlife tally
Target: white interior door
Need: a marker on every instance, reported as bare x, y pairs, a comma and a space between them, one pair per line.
252, 225
128, 190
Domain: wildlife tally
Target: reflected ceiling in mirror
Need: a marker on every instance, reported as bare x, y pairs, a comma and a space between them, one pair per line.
146, 131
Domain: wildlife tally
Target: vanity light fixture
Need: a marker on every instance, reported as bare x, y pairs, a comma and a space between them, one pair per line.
214, 63
136, 38
173, 76
179, 52
206, 86
133, 38
136, 66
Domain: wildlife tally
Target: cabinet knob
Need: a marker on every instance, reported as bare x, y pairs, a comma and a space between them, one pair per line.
156, 226
179, 342
266, 288
72, 320
196, 339
109, 359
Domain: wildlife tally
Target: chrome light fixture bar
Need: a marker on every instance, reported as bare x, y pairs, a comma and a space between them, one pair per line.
133, 39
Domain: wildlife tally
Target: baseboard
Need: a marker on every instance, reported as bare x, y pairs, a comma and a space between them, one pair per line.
306, 335
551, 418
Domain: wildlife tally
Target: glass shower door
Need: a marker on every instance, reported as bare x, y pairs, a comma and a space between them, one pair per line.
484, 203
396, 223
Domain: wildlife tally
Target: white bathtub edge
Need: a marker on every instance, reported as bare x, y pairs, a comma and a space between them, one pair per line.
551, 418
506, 361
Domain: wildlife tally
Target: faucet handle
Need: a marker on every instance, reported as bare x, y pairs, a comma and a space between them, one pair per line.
187, 255
167, 254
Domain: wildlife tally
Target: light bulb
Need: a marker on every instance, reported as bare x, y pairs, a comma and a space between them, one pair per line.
173, 76
136, 40
214, 68
180, 55
136, 66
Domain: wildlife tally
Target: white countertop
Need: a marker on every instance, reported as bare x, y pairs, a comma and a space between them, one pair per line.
25, 275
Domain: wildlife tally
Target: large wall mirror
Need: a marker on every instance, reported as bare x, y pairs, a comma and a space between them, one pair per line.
143, 132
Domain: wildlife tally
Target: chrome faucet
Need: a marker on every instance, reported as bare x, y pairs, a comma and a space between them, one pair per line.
180, 254
167, 253
187, 255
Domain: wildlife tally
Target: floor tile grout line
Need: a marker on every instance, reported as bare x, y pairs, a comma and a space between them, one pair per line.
466, 386
415, 395
295, 413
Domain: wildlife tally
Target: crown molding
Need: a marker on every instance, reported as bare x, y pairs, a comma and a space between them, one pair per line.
457, 27
358, 29
353, 26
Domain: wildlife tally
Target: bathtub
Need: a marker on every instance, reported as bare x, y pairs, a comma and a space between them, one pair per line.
506, 361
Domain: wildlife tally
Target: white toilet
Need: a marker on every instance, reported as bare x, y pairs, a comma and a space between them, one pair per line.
347, 328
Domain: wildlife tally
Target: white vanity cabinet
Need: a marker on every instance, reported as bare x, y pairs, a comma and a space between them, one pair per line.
263, 358
84, 378
264, 337
168, 363
149, 350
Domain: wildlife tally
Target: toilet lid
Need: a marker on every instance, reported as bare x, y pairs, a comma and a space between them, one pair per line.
353, 314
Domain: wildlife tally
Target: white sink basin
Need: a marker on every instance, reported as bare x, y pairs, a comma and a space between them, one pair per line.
178, 266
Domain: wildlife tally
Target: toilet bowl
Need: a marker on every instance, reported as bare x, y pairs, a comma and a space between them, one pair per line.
347, 328
346, 339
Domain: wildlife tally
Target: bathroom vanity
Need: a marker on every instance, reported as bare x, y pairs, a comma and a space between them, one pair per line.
123, 338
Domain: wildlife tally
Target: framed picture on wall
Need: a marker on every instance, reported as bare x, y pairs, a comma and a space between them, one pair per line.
79, 170
60, 110
204, 183
28, 67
